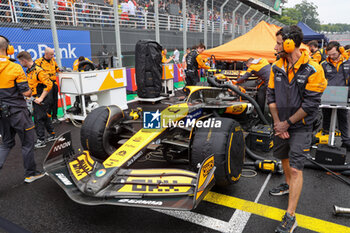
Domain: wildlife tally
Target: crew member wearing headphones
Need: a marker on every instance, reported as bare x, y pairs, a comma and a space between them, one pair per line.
49, 65
14, 115
337, 72
261, 68
40, 83
194, 62
294, 94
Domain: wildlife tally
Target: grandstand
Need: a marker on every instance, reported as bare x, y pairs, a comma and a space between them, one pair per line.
90, 24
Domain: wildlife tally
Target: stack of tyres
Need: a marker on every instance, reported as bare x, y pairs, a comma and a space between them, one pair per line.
148, 68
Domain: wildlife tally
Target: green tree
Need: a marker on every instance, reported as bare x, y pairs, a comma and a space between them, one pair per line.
309, 14
290, 16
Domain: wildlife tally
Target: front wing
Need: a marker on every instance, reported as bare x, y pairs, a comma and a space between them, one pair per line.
151, 188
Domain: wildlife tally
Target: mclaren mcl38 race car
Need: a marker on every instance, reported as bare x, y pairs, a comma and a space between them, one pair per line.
201, 133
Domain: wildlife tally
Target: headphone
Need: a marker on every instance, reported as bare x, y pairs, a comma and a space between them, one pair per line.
10, 49
288, 43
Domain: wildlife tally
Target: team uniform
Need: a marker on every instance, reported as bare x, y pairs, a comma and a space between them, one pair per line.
39, 81
194, 62
318, 56
261, 68
338, 74
51, 68
291, 88
15, 117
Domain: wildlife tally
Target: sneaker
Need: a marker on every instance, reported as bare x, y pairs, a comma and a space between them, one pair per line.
35, 177
51, 138
39, 144
280, 190
288, 224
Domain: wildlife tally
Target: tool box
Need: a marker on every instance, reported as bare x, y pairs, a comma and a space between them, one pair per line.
330, 155
261, 138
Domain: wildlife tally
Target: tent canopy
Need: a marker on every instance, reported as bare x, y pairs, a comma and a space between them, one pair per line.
309, 34
257, 43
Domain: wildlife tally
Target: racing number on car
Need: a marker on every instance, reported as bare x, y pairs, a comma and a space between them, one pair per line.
153, 186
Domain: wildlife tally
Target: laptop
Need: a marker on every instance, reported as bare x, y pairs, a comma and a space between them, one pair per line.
335, 95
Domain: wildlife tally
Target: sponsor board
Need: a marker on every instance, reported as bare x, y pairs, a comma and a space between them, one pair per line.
73, 44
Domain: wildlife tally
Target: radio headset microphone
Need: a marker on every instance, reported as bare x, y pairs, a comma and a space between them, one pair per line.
278, 53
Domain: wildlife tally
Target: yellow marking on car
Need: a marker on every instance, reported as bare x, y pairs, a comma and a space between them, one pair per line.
236, 109
274, 213
161, 171
144, 136
81, 167
203, 173
157, 184
229, 155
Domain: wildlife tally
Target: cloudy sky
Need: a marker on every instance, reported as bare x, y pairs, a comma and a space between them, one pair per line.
329, 11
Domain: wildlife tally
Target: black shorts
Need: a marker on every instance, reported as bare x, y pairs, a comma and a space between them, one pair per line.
295, 148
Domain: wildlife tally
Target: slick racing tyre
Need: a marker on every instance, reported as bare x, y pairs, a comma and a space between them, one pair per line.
226, 143
99, 133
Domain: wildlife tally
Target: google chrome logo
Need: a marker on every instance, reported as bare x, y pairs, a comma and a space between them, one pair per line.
101, 172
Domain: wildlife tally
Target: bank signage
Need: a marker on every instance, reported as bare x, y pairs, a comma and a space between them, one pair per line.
73, 44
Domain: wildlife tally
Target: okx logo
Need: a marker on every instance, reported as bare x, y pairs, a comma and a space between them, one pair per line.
151, 120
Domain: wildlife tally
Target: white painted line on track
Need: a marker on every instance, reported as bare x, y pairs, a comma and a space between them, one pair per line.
199, 219
240, 218
236, 224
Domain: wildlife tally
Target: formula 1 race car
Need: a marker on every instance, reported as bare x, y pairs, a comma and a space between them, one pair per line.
199, 133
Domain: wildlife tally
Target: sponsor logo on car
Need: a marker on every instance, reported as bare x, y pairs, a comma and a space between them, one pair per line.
101, 172
141, 202
63, 179
62, 146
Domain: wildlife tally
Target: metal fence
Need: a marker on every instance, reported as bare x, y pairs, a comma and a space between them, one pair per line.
93, 15
33, 18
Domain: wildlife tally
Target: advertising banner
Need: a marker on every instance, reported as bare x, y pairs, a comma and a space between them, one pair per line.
73, 44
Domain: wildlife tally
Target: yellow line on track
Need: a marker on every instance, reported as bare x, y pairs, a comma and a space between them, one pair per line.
304, 221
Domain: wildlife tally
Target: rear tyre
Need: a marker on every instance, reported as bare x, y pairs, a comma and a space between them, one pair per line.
228, 146
99, 133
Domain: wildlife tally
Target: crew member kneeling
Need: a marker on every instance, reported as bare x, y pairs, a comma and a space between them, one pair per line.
14, 115
41, 85
294, 94
194, 62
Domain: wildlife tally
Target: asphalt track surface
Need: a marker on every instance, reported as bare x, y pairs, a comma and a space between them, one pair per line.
244, 207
